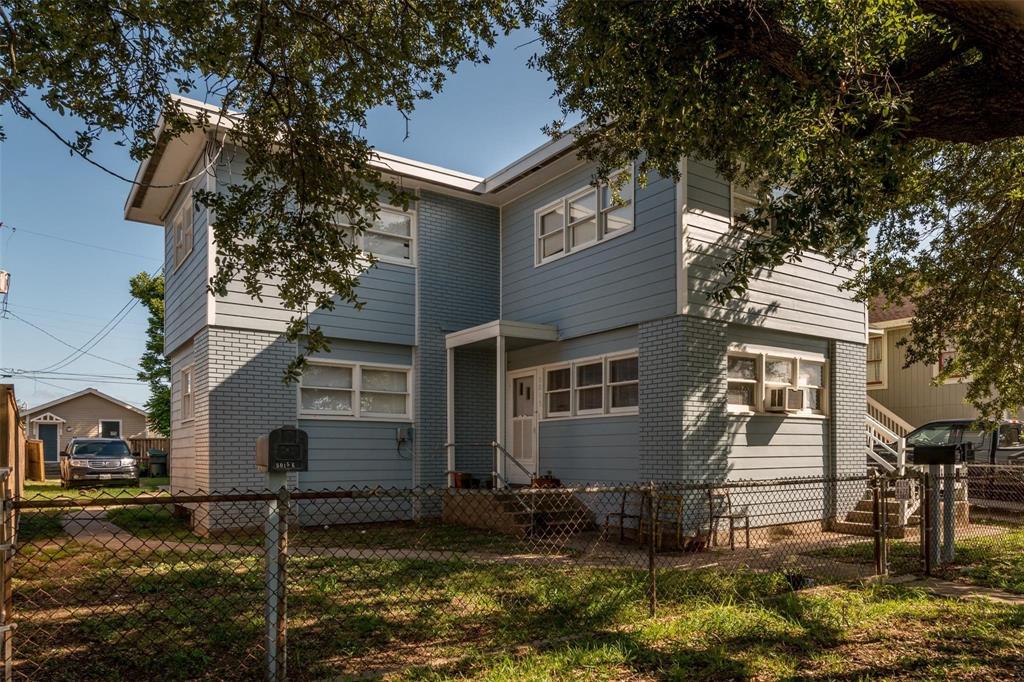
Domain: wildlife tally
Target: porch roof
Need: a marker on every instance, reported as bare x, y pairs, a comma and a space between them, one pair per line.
515, 334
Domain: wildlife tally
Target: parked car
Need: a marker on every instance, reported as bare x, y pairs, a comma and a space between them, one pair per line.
1000, 445
98, 461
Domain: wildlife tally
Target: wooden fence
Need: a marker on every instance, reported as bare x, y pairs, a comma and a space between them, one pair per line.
144, 445
12, 441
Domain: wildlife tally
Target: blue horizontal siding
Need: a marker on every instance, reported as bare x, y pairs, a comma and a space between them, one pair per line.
623, 281
613, 341
592, 450
355, 453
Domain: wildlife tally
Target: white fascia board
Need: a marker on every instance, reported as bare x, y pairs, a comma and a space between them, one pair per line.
503, 328
893, 324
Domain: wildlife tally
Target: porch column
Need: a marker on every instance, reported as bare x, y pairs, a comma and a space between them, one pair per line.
499, 403
449, 413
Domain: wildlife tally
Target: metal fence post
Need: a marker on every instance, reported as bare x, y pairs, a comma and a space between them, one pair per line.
276, 571
876, 523
948, 513
652, 530
883, 495
7, 552
926, 522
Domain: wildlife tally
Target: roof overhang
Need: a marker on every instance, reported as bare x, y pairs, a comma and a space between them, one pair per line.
893, 324
79, 394
159, 177
516, 334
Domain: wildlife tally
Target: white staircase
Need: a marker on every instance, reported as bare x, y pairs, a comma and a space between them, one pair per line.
885, 445
888, 419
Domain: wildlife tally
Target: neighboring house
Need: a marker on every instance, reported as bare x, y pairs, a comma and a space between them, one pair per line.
521, 308
85, 414
903, 397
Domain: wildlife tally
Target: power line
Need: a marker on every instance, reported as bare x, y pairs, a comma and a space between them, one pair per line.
103, 332
14, 371
63, 342
30, 377
78, 243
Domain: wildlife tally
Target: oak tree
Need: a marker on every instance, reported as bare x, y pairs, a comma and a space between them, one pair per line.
898, 119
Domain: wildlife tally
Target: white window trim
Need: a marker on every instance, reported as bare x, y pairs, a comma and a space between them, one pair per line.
120, 427
796, 357
959, 379
883, 382
569, 389
177, 229
187, 369
756, 382
600, 216
574, 413
357, 381
413, 244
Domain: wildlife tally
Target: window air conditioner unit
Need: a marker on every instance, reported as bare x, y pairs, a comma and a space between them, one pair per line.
785, 400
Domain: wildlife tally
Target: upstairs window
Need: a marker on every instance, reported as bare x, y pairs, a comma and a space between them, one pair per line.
876, 362
584, 218
391, 239
182, 230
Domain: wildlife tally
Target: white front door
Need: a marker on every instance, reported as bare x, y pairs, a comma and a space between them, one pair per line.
522, 427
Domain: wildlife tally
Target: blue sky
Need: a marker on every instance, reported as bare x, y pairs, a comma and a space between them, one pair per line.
487, 116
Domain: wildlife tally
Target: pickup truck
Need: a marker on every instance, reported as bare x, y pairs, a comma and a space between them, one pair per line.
1000, 445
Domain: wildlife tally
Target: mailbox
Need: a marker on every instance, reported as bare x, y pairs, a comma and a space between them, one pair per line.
935, 454
283, 450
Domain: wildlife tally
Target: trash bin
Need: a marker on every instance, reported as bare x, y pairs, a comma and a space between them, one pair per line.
157, 462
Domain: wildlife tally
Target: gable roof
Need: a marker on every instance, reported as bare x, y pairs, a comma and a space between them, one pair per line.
85, 391
158, 177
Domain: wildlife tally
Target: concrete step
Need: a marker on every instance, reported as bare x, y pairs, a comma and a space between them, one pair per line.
858, 516
866, 530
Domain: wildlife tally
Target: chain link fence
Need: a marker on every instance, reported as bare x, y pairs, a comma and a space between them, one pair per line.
326, 584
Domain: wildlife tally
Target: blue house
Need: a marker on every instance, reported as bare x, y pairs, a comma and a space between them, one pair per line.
527, 309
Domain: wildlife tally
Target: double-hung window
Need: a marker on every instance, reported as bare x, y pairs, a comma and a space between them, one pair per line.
584, 218
742, 385
624, 383
182, 230
608, 384
590, 387
752, 377
876, 362
558, 391
187, 400
335, 389
391, 238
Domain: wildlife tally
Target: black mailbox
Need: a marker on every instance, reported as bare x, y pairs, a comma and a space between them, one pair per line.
935, 454
283, 450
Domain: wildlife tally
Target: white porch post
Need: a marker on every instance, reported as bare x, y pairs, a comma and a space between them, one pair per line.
499, 403
450, 416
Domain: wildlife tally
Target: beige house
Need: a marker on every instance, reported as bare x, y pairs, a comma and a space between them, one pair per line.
86, 414
906, 396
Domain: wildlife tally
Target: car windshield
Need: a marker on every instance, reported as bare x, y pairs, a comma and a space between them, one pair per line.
936, 434
114, 448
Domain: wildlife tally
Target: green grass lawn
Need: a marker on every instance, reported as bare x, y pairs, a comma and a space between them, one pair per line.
174, 616
158, 522
50, 489
993, 560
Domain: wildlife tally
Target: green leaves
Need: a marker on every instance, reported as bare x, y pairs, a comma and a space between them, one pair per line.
303, 74
156, 368
845, 106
